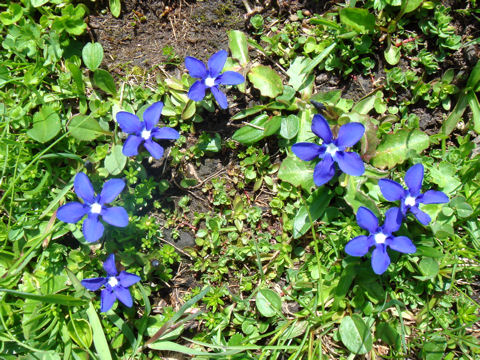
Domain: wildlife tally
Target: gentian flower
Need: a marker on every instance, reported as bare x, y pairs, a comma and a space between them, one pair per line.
116, 285
211, 78
94, 207
332, 150
142, 132
410, 199
380, 236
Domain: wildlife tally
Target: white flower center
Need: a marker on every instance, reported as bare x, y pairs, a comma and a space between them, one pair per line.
112, 281
146, 134
380, 238
209, 81
95, 208
410, 200
331, 149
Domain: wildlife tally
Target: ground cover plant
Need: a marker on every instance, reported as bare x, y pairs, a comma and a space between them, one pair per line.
312, 192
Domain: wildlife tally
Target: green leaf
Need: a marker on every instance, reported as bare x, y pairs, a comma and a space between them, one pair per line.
265, 79
49, 299
460, 204
289, 127
251, 134
412, 5
295, 72
237, 42
115, 7
171, 346
38, 3
395, 148
317, 203
456, 115
429, 268
356, 197
388, 335
115, 161
296, 172
104, 81
434, 348
319, 58
46, 125
92, 55
12, 14
247, 112
475, 107
355, 334
99, 340
272, 125
360, 20
268, 302
85, 128
473, 81
80, 332
392, 54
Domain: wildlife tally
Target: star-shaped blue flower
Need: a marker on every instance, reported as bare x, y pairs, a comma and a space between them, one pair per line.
411, 199
94, 207
116, 285
143, 132
332, 150
210, 78
381, 237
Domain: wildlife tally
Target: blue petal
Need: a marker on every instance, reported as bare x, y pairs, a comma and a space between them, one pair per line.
358, 246
166, 133
154, 149
350, 163
130, 148
324, 171
306, 151
350, 134
402, 244
109, 265
110, 190
393, 220
414, 178
367, 220
195, 67
230, 78
391, 190
108, 298
129, 123
83, 188
433, 197
321, 128
219, 96
94, 284
216, 63
422, 217
92, 228
71, 212
123, 295
116, 216
380, 259
152, 114
197, 91
127, 279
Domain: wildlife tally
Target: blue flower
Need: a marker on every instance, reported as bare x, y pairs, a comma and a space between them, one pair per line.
94, 207
142, 132
211, 78
116, 285
332, 150
410, 199
381, 237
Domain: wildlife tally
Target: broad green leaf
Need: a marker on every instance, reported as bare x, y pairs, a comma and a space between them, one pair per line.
473, 81
434, 348
265, 79
355, 334
272, 125
475, 107
360, 20
237, 42
392, 54
319, 58
289, 127
365, 105
317, 202
12, 14
297, 172
295, 72
247, 112
85, 128
115, 7
49, 299
104, 81
412, 5
429, 269
355, 197
80, 332
463, 208
115, 161
388, 334
268, 302
251, 134
456, 115
395, 148
46, 125
99, 340
92, 55
38, 3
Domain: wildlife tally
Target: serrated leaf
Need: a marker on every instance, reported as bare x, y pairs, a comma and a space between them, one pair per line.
237, 42
297, 172
104, 80
115, 161
85, 128
265, 79
360, 20
268, 302
355, 334
92, 55
46, 125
